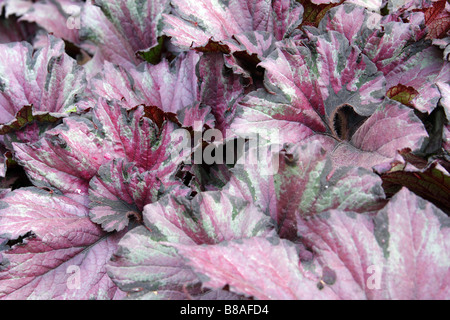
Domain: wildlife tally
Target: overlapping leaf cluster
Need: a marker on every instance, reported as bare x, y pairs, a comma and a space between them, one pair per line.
349, 102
